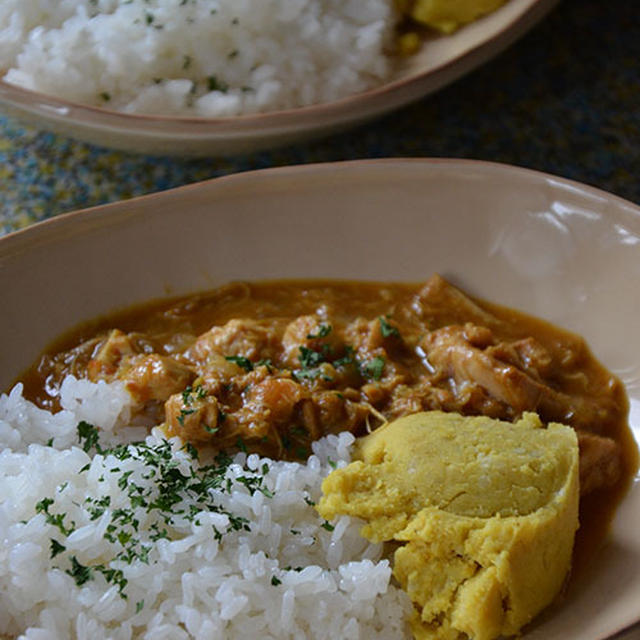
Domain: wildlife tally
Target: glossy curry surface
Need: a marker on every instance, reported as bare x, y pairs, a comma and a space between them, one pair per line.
274, 366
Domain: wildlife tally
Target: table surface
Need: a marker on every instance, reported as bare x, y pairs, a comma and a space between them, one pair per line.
564, 99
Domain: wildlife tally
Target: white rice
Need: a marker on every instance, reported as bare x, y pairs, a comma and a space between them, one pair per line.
284, 573
205, 58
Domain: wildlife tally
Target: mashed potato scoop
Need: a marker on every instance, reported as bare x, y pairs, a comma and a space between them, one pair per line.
447, 15
485, 513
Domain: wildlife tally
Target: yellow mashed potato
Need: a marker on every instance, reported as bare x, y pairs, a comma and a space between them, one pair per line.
447, 15
485, 513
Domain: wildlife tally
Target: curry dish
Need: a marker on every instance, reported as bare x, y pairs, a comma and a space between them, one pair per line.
274, 366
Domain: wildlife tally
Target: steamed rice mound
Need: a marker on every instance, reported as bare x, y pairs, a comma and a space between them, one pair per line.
206, 58
237, 551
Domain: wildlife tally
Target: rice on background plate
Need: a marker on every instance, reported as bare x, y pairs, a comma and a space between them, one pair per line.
141, 540
205, 58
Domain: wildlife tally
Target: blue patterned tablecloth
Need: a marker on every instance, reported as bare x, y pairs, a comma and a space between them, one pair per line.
564, 99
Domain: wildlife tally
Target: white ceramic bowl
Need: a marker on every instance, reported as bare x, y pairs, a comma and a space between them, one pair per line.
551, 247
442, 60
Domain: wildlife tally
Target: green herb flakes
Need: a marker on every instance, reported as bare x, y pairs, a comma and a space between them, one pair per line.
374, 368
157, 487
241, 361
88, 436
323, 331
213, 84
387, 329
79, 572
56, 548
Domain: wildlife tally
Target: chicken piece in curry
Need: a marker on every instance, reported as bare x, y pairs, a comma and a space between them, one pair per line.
274, 366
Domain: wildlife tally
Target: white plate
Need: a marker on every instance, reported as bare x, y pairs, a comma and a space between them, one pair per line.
551, 247
442, 60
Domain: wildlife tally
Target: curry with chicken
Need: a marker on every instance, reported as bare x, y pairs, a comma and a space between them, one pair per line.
274, 366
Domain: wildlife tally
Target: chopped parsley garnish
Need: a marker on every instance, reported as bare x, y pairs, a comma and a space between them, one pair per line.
191, 450
180, 490
265, 362
275, 581
88, 436
241, 361
189, 397
190, 394
79, 572
56, 548
323, 331
310, 361
57, 520
309, 358
213, 84
387, 329
44, 504
183, 414
348, 358
310, 374
253, 484
97, 506
373, 368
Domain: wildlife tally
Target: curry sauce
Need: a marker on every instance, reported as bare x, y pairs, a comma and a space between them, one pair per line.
273, 366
